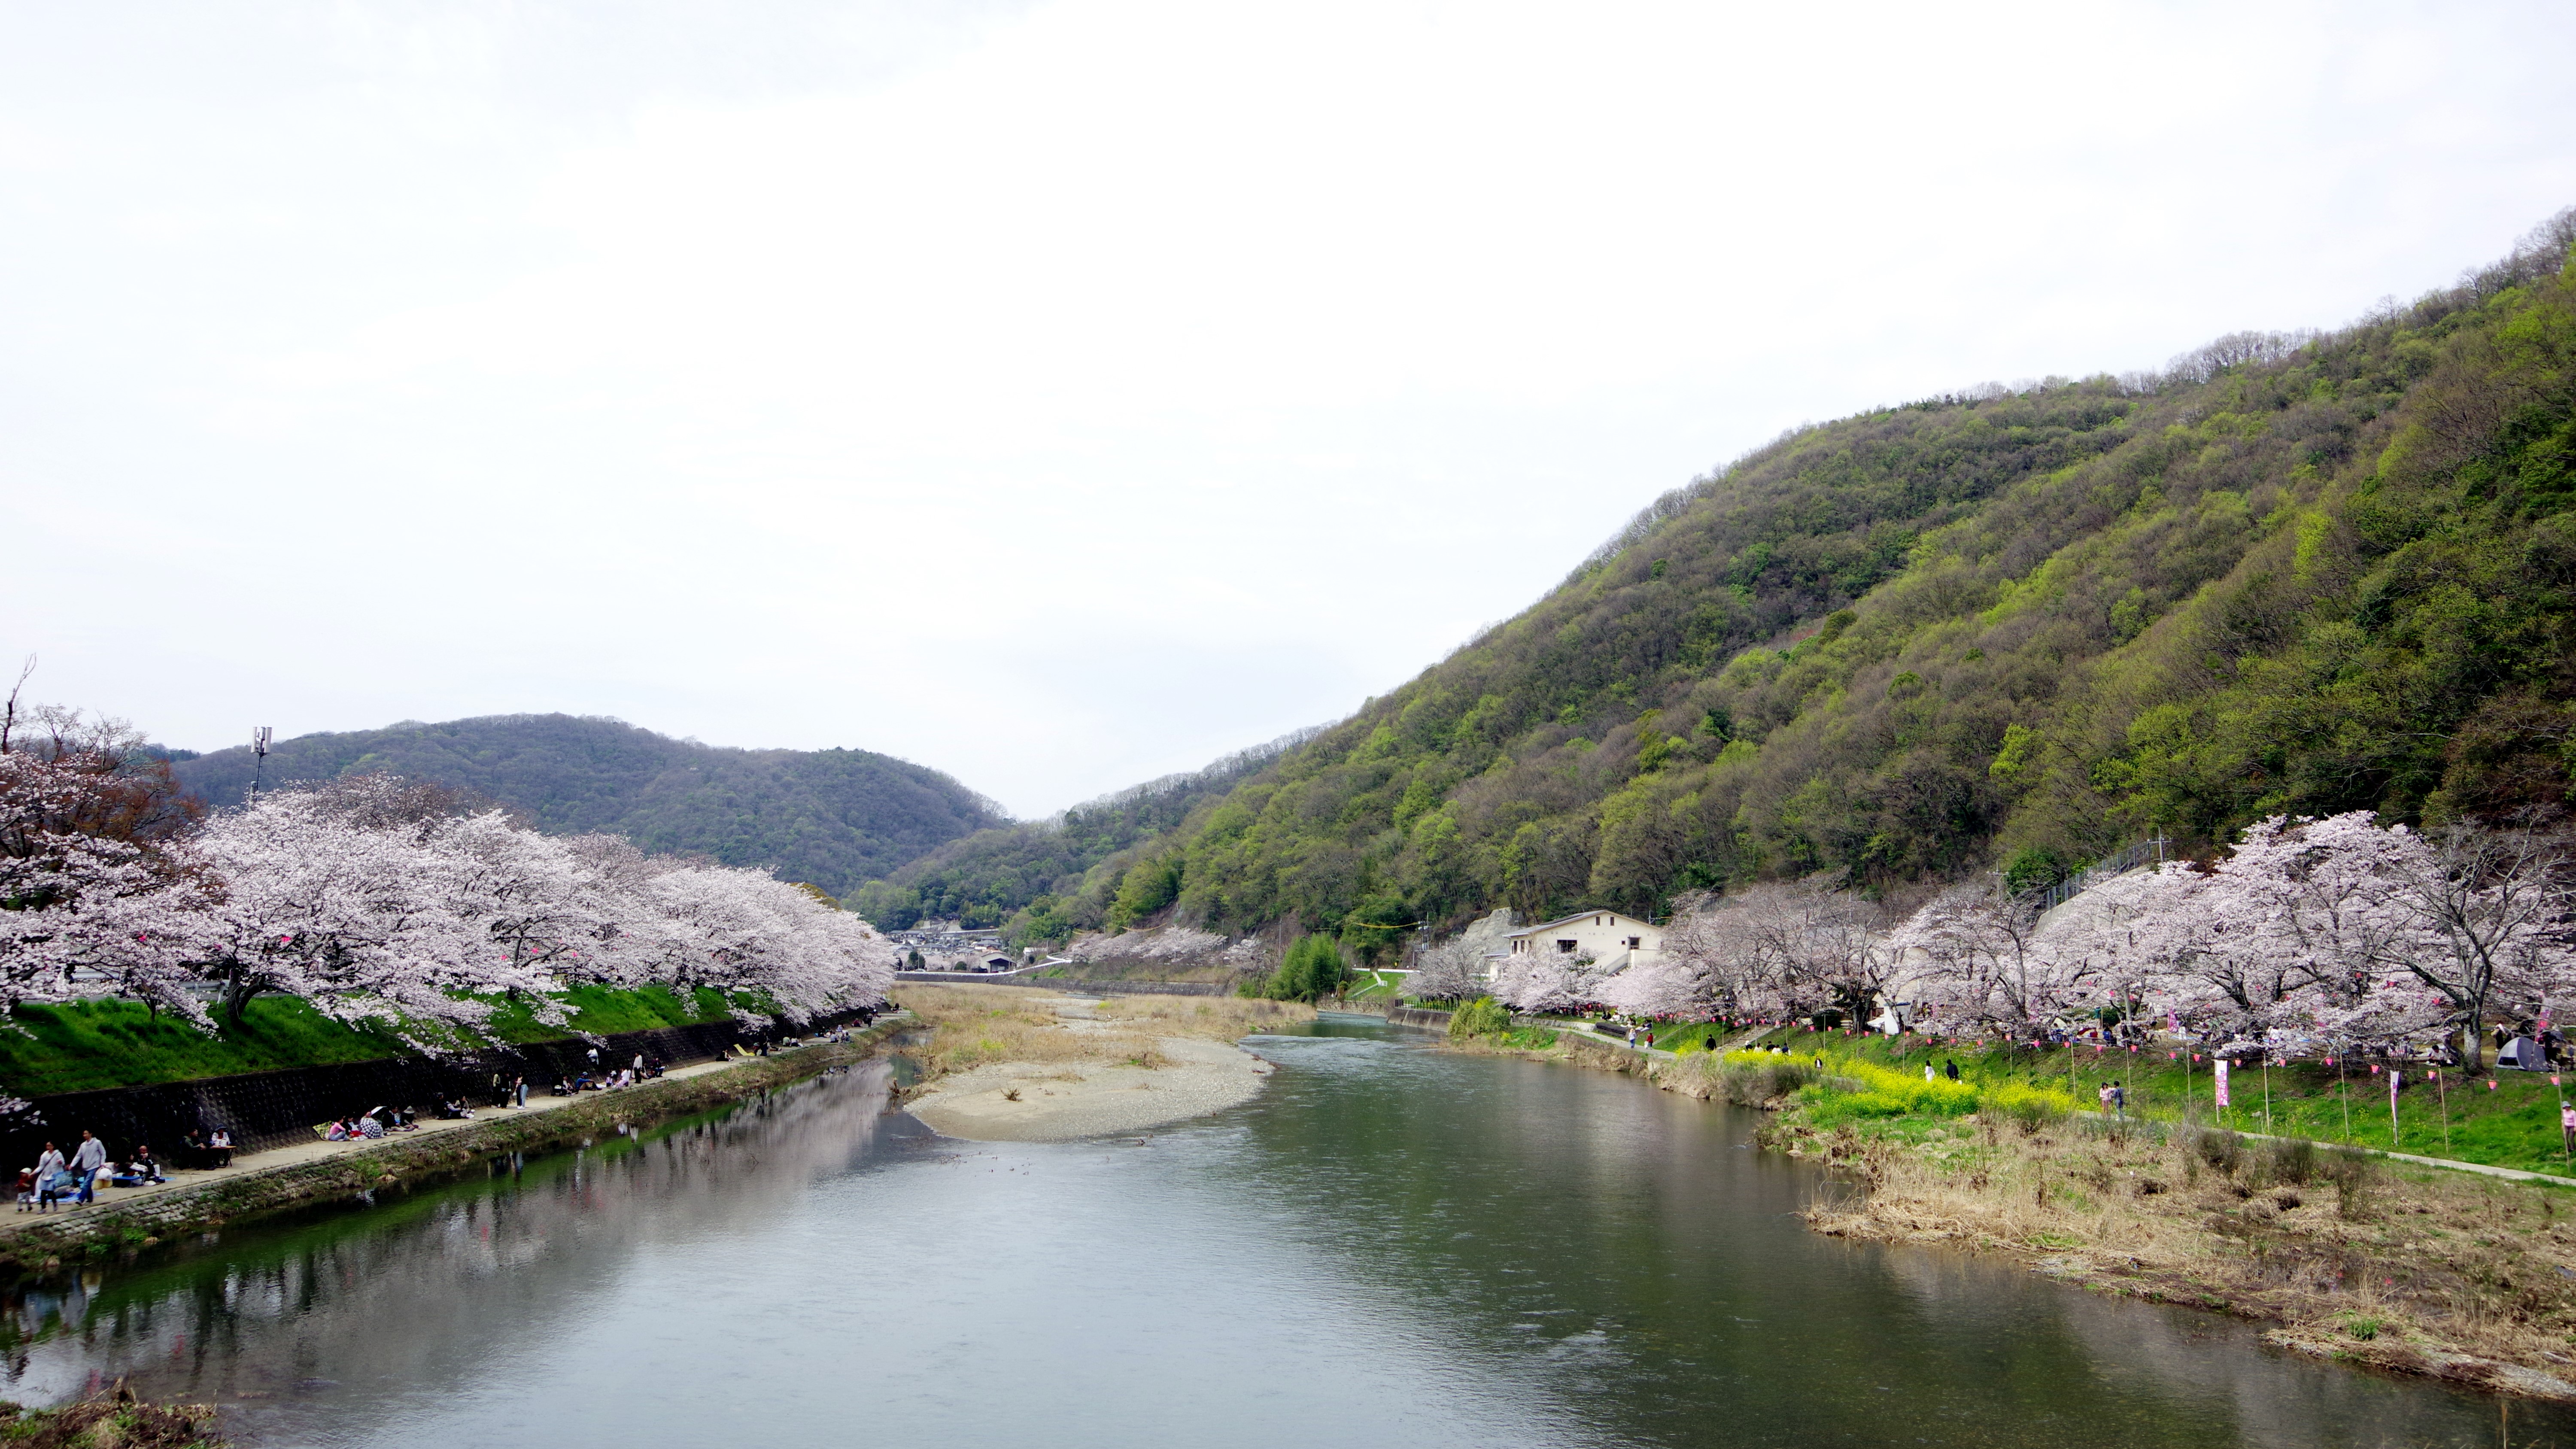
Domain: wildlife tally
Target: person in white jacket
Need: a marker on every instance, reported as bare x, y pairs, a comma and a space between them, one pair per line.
48, 1167
86, 1161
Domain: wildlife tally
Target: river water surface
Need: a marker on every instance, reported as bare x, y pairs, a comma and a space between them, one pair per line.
1390, 1246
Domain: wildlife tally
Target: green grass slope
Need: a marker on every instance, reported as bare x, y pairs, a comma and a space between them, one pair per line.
2292, 573
88, 1045
2500, 1119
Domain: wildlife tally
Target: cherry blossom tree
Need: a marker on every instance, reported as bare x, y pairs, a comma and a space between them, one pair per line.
1549, 981
359, 920
1975, 955
2487, 916
1454, 969
1449, 971
1703, 970
2358, 932
86, 891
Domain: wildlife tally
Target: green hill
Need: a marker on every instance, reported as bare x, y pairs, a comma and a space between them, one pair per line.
832, 817
987, 876
2308, 573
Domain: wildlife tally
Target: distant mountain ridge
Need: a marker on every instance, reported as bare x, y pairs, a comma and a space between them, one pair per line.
985, 878
833, 817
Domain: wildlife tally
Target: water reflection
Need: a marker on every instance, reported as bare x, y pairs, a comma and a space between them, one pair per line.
426, 1290
1390, 1245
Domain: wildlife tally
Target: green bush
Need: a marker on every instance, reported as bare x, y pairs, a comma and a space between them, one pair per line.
1483, 1016
1750, 1083
1312, 968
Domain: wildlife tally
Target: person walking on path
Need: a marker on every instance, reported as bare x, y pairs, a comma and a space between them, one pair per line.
86, 1161
48, 1167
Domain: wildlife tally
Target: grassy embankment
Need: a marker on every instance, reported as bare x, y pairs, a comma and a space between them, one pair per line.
2500, 1119
974, 1026
1485, 1026
2349, 1255
87, 1045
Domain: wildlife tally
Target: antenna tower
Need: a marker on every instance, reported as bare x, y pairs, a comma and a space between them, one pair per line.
258, 759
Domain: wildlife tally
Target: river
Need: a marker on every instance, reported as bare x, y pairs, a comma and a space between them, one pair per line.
1392, 1245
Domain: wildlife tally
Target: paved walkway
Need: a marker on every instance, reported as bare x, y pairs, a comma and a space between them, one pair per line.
2509, 1174
297, 1153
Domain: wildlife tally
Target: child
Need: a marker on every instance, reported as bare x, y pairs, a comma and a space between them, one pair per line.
26, 1189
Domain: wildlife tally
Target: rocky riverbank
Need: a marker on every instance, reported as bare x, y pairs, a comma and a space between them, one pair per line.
2346, 1255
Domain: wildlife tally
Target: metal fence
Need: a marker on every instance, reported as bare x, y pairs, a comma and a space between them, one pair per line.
2042, 899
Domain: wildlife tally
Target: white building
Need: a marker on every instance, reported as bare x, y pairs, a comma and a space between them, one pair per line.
1612, 942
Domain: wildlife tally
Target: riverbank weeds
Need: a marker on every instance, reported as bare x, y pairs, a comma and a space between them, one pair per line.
1207, 1018
116, 1419
2349, 1255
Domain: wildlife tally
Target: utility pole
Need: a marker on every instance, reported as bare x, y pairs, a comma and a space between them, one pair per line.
258, 759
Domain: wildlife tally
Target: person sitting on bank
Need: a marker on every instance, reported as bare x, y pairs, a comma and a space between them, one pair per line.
219, 1148
145, 1165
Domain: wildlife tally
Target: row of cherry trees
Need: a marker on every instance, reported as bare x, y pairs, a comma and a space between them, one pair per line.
2309, 935
374, 898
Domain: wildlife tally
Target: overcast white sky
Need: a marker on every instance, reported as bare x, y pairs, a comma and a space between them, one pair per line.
1063, 394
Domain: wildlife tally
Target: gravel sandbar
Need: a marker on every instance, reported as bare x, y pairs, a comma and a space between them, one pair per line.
1059, 1101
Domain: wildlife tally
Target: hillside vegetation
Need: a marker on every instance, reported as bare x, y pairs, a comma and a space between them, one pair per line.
831, 817
988, 876
2306, 573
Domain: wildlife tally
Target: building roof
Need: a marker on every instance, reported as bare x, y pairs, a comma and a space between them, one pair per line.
1579, 915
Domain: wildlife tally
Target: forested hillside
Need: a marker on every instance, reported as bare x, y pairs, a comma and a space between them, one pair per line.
988, 876
2311, 573
831, 817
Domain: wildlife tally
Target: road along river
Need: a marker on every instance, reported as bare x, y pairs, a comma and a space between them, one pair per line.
1388, 1245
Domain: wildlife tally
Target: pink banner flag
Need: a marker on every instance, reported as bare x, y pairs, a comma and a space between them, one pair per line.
2220, 1069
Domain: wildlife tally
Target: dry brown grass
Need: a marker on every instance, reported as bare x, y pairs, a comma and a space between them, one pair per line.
974, 1026
1213, 1018
2421, 1270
